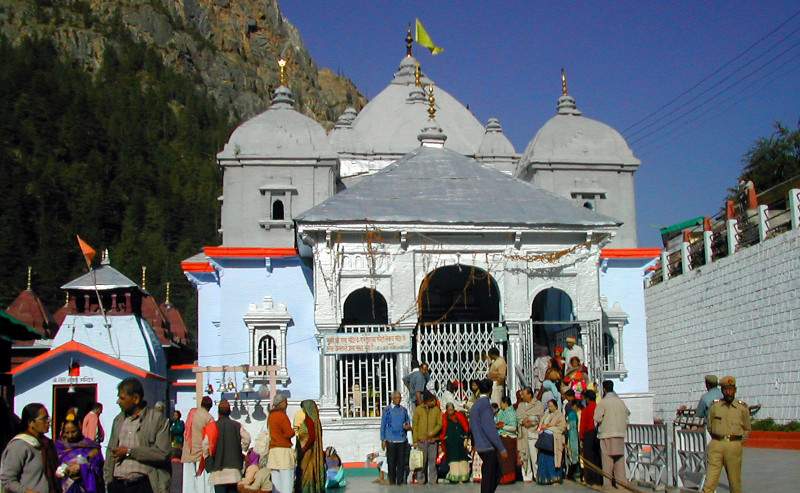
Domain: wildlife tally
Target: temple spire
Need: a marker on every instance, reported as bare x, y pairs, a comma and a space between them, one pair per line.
167, 300
144, 277
30, 269
417, 75
563, 82
431, 103
409, 41
282, 65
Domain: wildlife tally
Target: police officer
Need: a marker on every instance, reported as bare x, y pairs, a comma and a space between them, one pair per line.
729, 426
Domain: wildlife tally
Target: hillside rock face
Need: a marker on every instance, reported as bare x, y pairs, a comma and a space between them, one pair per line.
229, 47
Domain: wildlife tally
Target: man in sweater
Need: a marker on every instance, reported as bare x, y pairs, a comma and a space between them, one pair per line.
139, 448
426, 429
529, 413
394, 439
611, 416
486, 439
192, 451
223, 447
281, 459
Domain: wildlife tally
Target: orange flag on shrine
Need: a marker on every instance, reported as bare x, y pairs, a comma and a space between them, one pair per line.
88, 252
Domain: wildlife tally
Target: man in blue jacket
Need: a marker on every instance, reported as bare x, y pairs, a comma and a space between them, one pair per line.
395, 424
485, 438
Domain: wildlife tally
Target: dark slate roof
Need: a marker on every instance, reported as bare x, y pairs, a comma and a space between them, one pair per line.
433, 185
104, 277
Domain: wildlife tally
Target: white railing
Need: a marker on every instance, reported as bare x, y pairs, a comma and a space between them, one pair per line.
457, 351
365, 381
726, 234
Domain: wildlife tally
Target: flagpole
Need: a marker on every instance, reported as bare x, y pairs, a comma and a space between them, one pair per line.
97, 292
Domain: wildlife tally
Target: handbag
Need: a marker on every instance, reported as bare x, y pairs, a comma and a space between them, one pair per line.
545, 442
415, 459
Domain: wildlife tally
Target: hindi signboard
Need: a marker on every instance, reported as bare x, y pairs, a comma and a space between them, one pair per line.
396, 341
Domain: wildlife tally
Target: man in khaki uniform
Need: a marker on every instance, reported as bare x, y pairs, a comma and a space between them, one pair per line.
729, 426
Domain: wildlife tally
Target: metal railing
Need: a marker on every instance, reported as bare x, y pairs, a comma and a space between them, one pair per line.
365, 380
730, 231
647, 454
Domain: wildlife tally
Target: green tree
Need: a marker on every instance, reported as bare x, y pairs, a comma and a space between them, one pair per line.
774, 159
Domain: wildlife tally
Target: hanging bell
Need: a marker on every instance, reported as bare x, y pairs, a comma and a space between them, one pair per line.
247, 387
209, 389
263, 391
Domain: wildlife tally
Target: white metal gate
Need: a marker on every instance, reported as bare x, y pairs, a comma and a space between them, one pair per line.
366, 380
588, 334
456, 351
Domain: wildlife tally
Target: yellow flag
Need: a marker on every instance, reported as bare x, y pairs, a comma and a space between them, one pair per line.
425, 40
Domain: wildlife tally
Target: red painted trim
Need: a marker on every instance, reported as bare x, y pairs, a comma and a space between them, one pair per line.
93, 353
182, 384
774, 439
196, 267
356, 465
187, 366
239, 252
630, 253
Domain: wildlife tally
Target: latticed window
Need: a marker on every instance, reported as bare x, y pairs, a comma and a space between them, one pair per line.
267, 351
366, 381
609, 352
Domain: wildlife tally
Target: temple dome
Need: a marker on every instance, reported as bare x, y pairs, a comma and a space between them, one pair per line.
390, 123
280, 131
569, 137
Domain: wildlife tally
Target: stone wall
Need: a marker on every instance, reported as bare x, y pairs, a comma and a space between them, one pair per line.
738, 316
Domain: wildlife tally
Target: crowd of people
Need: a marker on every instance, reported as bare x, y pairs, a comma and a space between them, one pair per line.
216, 454
470, 432
559, 428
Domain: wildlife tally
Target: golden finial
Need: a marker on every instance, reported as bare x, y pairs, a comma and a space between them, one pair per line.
563, 82
417, 75
167, 301
431, 103
30, 269
144, 277
409, 41
66, 299
282, 65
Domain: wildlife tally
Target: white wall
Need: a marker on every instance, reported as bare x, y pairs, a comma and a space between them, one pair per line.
738, 316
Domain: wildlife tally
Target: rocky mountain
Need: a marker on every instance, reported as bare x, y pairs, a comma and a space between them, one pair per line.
228, 47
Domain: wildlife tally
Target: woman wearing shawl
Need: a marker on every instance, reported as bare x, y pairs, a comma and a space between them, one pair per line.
573, 415
506, 420
29, 461
549, 470
80, 461
335, 475
455, 431
311, 473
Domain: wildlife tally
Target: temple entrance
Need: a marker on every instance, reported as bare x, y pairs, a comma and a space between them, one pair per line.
459, 308
65, 397
365, 381
554, 307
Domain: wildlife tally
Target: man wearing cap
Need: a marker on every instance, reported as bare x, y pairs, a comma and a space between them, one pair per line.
573, 350
729, 426
713, 394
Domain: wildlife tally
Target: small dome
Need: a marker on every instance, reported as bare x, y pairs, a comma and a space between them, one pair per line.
495, 143
278, 132
570, 137
391, 122
342, 137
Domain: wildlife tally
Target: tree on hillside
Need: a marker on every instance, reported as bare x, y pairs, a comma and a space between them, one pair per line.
774, 159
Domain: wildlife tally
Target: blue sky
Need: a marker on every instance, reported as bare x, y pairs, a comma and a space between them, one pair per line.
624, 61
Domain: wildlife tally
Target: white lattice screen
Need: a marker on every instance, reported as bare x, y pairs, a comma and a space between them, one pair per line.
365, 380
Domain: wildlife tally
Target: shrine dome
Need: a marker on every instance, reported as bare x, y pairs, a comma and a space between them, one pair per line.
390, 123
569, 137
279, 132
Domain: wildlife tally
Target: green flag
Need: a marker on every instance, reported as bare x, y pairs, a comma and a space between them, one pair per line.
425, 40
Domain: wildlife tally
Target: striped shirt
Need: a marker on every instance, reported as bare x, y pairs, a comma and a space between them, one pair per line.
130, 469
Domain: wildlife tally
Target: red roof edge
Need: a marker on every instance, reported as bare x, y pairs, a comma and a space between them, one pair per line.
243, 252
630, 253
187, 366
196, 267
83, 349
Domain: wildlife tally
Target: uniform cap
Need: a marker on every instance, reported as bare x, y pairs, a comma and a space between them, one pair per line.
571, 338
711, 379
727, 382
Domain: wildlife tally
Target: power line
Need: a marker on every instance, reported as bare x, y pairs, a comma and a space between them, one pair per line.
726, 64
694, 108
